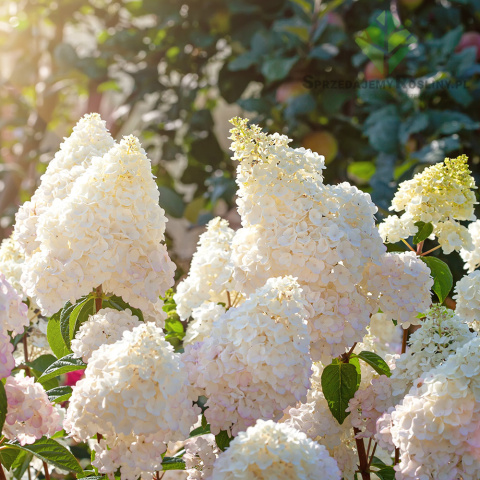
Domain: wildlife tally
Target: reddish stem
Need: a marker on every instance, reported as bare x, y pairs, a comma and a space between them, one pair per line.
362, 456
98, 298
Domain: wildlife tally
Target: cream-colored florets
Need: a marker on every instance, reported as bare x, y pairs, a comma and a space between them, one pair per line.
437, 425
30, 415
13, 312
108, 230
200, 454
11, 262
135, 386
269, 451
257, 363
201, 326
7, 361
442, 333
292, 221
105, 327
467, 296
442, 195
400, 285
211, 270
471, 256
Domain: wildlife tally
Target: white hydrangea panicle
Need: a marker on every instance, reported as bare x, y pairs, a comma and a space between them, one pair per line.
135, 455
11, 262
269, 451
257, 363
89, 138
13, 312
7, 360
471, 256
200, 454
315, 420
442, 333
135, 386
210, 278
467, 296
291, 220
442, 195
400, 285
30, 415
109, 230
201, 326
437, 425
105, 327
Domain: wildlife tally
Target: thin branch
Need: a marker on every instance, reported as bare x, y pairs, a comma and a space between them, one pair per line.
229, 299
98, 298
408, 245
420, 247
373, 454
431, 250
362, 456
45, 469
404, 340
2, 473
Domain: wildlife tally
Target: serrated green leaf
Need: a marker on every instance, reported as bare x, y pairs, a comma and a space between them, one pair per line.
203, 430
80, 315
222, 440
118, 303
65, 314
339, 384
21, 464
54, 337
59, 394
3, 405
38, 366
353, 360
8, 456
173, 463
64, 365
442, 277
424, 231
376, 362
50, 451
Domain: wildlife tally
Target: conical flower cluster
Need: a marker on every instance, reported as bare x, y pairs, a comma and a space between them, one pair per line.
104, 228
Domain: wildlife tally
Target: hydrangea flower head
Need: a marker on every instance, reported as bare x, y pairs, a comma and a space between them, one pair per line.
257, 363
269, 451
471, 256
467, 296
442, 194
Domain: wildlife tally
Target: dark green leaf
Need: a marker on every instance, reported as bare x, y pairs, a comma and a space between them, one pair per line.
386, 473
339, 384
203, 430
80, 315
376, 362
64, 365
223, 440
171, 202
278, 68
54, 337
118, 303
39, 365
424, 231
8, 456
52, 452
59, 394
442, 277
21, 463
353, 360
65, 314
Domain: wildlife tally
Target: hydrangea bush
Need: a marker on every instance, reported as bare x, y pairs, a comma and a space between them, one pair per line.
298, 346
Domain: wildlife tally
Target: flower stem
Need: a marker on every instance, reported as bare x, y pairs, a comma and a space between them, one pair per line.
25, 354
408, 245
45, 469
362, 456
2, 473
98, 298
430, 251
420, 247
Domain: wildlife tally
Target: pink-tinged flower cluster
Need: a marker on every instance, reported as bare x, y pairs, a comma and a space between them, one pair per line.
200, 454
30, 415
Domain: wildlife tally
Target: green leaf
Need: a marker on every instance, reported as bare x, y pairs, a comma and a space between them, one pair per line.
59, 394
386, 473
38, 366
3, 405
424, 231
80, 315
118, 303
54, 337
173, 463
339, 384
278, 68
8, 456
171, 202
222, 440
442, 277
353, 360
203, 430
65, 320
21, 463
64, 365
50, 451
376, 362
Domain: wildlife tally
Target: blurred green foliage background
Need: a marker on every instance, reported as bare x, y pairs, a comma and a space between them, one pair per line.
173, 72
